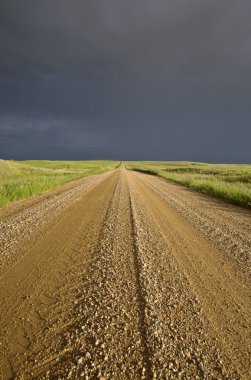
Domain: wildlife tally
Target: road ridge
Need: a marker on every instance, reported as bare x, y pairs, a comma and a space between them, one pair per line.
141, 298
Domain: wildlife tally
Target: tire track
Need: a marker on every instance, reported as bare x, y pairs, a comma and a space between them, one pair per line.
29, 287
224, 299
179, 338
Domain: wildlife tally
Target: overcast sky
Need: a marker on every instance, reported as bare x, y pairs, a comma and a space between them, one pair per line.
129, 80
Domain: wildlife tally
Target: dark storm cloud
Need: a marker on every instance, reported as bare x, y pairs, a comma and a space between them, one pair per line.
122, 79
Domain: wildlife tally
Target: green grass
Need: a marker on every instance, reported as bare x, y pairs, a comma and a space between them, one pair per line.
229, 182
19, 180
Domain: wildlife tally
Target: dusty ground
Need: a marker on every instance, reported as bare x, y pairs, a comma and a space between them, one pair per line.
125, 276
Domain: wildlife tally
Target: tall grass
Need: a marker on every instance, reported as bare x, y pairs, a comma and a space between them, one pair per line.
20, 180
229, 182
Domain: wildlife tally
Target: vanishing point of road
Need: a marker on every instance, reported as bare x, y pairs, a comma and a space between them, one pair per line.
124, 276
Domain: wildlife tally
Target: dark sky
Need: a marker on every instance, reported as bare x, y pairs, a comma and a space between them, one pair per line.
129, 80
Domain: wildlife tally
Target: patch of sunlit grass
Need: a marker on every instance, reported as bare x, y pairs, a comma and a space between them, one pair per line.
19, 180
229, 182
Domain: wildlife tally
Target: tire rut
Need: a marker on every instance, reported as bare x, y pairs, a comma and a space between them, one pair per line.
29, 288
178, 335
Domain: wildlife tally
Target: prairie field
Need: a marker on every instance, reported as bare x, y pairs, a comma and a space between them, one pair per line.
19, 180
231, 182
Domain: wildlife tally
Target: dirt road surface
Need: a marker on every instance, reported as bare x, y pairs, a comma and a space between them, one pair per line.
125, 276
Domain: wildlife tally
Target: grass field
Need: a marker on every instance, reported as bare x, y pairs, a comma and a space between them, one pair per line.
23, 179
229, 182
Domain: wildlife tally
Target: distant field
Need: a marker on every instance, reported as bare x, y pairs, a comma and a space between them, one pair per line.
22, 179
229, 182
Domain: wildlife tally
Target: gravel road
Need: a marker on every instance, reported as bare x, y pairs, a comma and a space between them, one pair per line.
125, 276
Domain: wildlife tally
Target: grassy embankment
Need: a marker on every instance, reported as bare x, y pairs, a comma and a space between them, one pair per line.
229, 182
23, 179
